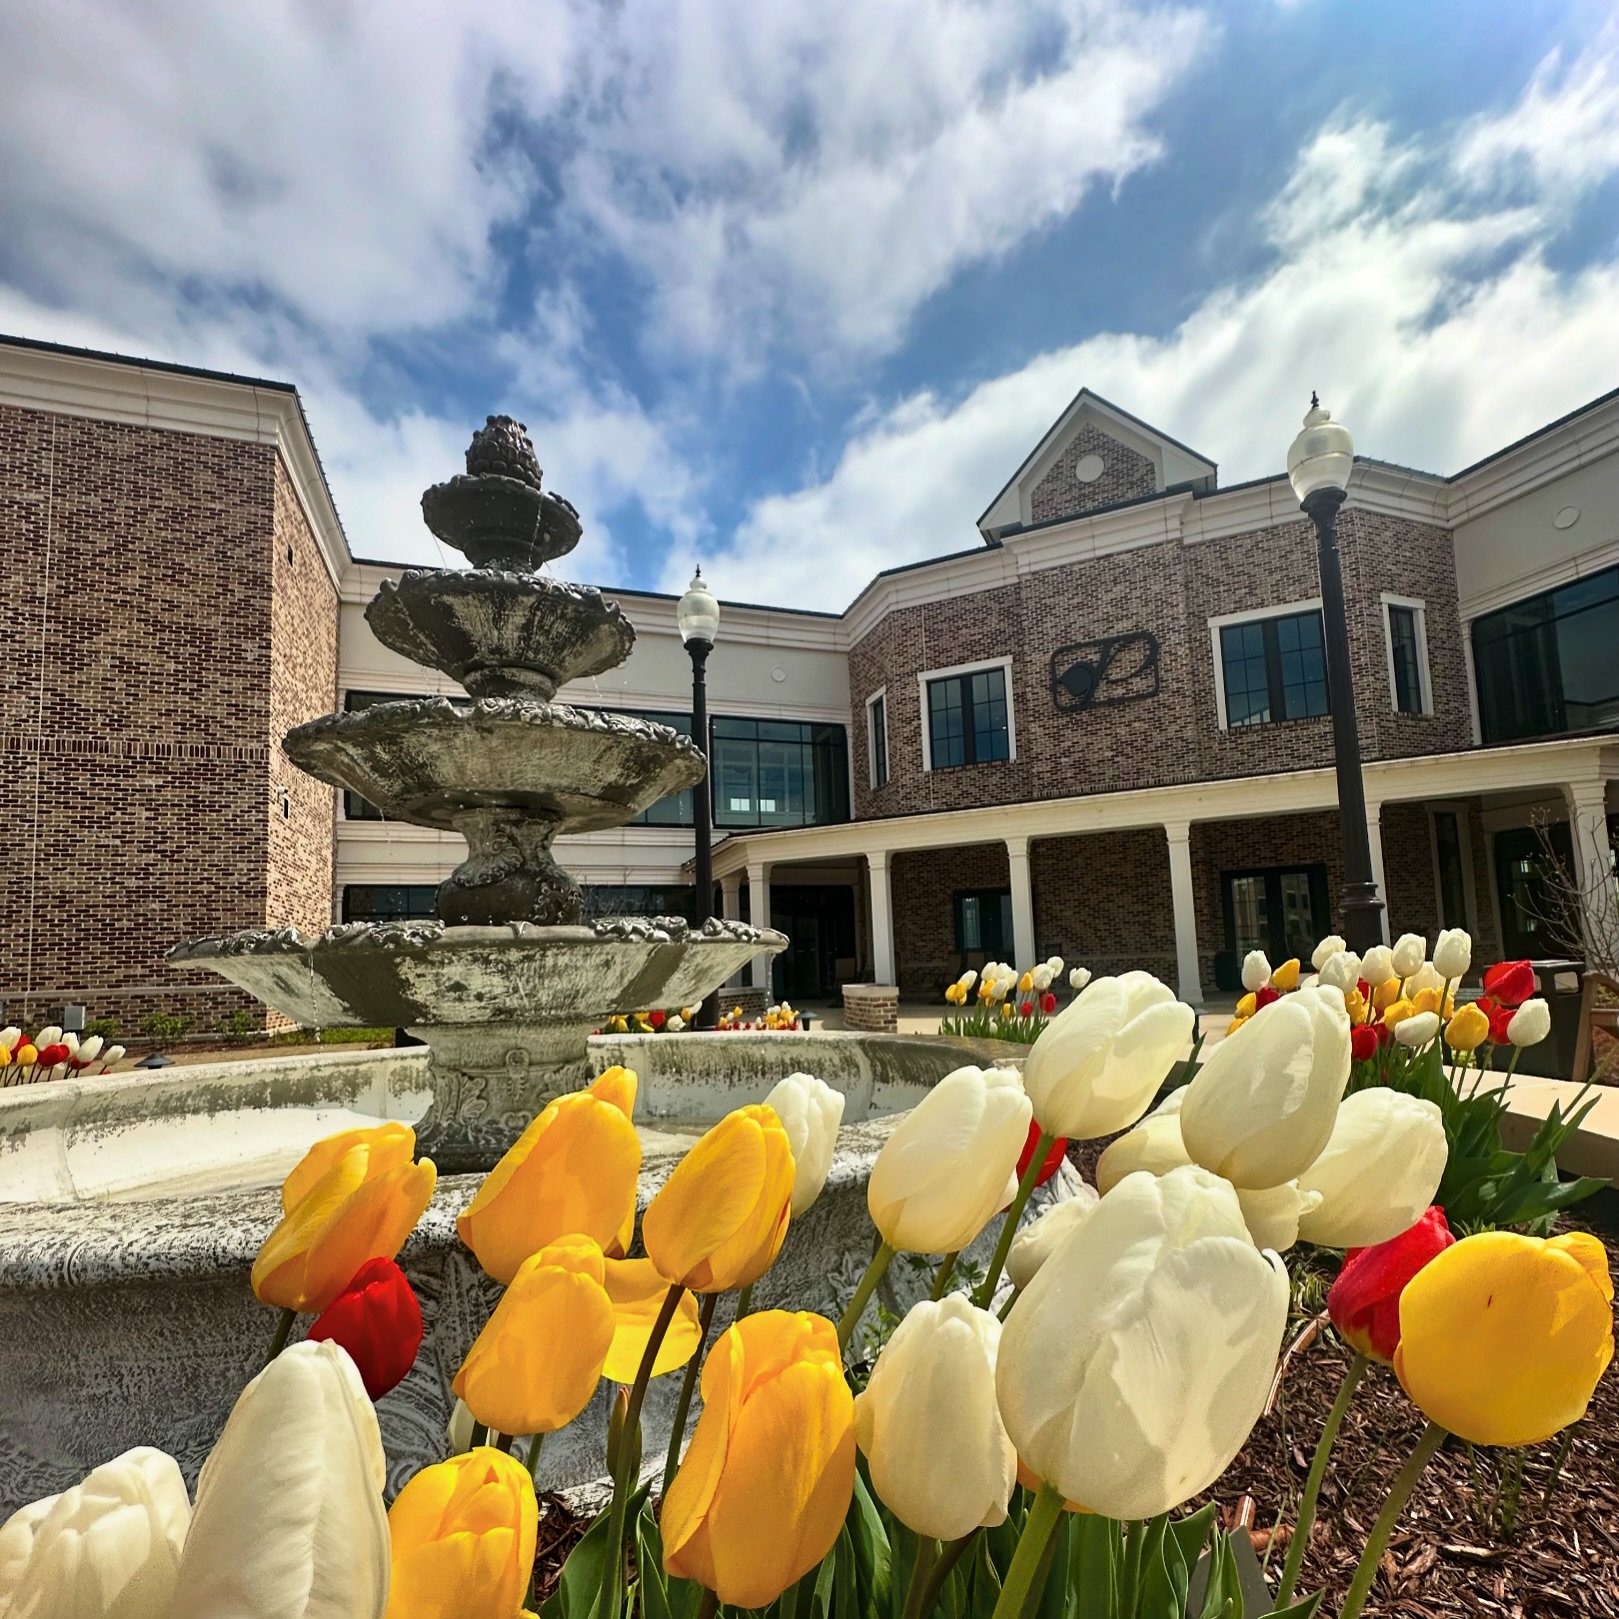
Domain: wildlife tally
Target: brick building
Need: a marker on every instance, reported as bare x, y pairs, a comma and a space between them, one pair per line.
1105, 731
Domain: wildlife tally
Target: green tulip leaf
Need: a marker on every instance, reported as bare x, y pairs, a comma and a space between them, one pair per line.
1165, 1576
874, 1557
579, 1586
1055, 1591
1097, 1549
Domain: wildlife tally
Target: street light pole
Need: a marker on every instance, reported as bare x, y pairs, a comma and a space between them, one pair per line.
1318, 464
698, 616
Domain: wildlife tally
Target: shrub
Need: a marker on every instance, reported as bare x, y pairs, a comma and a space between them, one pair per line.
163, 1026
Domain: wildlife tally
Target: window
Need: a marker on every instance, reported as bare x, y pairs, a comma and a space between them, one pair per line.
1452, 853
969, 720
877, 738
1406, 636
1546, 664
1273, 668
1280, 910
677, 809
356, 808
984, 923
394, 902
778, 772
671, 899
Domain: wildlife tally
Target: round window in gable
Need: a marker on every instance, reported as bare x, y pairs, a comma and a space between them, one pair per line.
1089, 468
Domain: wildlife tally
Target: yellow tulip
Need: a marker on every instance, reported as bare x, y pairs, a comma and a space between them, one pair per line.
1468, 1030
572, 1171
1432, 1000
721, 1217
1355, 1006
1384, 995
539, 1357
1235, 1024
766, 1483
1006, 1009
618, 1086
637, 1292
1503, 1337
1025, 983
343, 1206
1396, 1012
1285, 979
27, 1055
462, 1537
1247, 1006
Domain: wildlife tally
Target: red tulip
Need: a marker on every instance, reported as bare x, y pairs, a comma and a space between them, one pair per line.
1264, 995
1510, 982
1059, 1150
377, 1320
1026, 1009
50, 1056
1048, 1003
1364, 1302
1499, 1014
1363, 1041
657, 1019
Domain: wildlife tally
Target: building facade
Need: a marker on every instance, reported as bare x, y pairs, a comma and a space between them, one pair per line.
1104, 732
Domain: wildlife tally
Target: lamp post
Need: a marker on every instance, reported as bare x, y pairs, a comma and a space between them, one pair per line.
698, 616
1318, 465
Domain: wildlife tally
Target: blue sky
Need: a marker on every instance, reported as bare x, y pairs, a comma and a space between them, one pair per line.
793, 289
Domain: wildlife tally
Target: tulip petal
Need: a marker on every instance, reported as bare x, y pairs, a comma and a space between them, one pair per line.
388, 1146
637, 1293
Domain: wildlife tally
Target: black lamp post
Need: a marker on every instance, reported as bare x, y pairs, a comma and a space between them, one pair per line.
698, 616
1318, 464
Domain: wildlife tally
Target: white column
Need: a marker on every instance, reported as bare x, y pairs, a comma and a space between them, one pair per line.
731, 897
1189, 975
1374, 838
1023, 947
882, 918
1594, 868
759, 916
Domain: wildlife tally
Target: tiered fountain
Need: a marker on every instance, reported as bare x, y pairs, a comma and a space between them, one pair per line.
506, 986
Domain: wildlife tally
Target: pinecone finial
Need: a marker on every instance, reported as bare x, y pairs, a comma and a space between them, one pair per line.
501, 446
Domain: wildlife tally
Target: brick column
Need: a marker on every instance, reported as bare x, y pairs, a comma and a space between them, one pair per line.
1189, 976
1593, 867
1023, 947
882, 918
1374, 836
759, 916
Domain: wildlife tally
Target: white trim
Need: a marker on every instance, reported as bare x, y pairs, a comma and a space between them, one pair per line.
972, 668
1566, 572
872, 783
1419, 610
1250, 615
1463, 812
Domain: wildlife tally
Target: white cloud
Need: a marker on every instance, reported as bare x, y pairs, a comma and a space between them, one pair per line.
1427, 314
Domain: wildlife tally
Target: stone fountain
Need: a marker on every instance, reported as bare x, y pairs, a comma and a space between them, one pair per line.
506, 986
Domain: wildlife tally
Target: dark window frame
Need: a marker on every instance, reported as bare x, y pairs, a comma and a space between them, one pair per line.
419, 907
989, 901
1236, 650
877, 733
1405, 637
960, 683
821, 778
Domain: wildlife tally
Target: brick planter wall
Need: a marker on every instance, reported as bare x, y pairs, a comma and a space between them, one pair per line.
871, 1008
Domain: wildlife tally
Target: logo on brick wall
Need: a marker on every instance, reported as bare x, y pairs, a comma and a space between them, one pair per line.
1116, 669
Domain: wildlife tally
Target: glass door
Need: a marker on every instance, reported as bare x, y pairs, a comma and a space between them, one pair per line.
1282, 910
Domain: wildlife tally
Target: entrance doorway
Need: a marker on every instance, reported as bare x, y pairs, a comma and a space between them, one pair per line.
1527, 884
1282, 910
819, 924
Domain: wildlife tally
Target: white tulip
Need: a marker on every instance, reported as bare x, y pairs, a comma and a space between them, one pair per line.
944, 1170
1379, 1171
48, 1036
810, 1111
968, 978
929, 1426
1055, 964
458, 1430
675, 1023
1427, 976
10, 1037
289, 1521
1326, 950
1342, 971
1530, 1024
1272, 1215
108, 1548
1101, 1060
1262, 1105
1141, 1354
1417, 1030
1041, 977
1377, 965
1078, 978
113, 1054
1453, 953
1155, 1145
91, 1049
71, 1041
1033, 1245
1409, 953
1255, 970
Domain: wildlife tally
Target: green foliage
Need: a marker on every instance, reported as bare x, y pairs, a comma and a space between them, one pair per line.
986, 1024
163, 1026
240, 1027
106, 1027
1486, 1187
344, 1036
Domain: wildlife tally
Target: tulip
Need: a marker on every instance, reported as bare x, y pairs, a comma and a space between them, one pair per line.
720, 1219
27, 1055
1355, 1004
1099, 1063
1363, 1043
1453, 953
1285, 979
458, 1430
113, 1054
1503, 1337
463, 1537
968, 978
1387, 994
377, 1319
1055, 963
1262, 1105
947, 1165
1467, 1030
1417, 1030
1078, 978
48, 1036
1329, 947
1035, 1242
1530, 1024
810, 1112
1040, 979
1509, 982
1409, 953
345, 1203
91, 1049
1379, 1171
1155, 1145
108, 1548
1364, 1301
637, 1293
289, 1521
928, 1424
1500, 1017
1377, 965
1255, 970
537, 1362
1272, 1214
572, 1172
1141, 1355
1342, 971
768, 1477
1396, 1012
1426, 977
10, 1037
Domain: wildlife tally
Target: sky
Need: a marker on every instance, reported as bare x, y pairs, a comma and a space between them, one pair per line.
791, 290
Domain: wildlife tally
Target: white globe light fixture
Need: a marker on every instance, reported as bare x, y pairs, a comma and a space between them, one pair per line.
698, 613
1321, 457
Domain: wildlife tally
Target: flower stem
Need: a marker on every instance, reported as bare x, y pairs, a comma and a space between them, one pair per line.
850, 1319
744, 1302
1399, 1491
534, 1441
927, 1554
503, 1441
1025, 1188
480, 1435
1038, 1528
1006, 1309
947, 1269
709, 1605
688, 1386
624, 1482
951, 1554
283, 1330
1312, 1484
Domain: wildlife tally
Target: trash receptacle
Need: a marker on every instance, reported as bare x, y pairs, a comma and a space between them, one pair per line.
1559, 983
